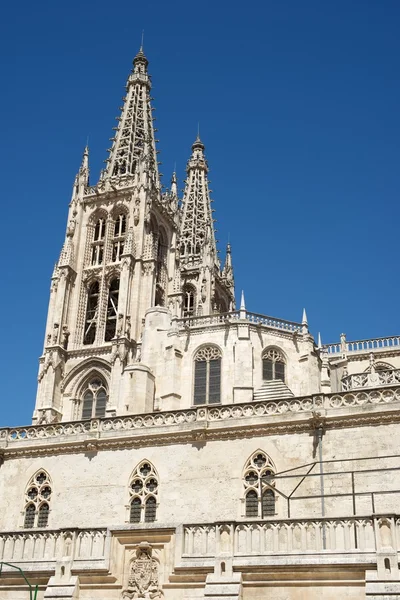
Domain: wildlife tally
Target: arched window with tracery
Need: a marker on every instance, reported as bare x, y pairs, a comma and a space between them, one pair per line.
207, 375
143, 494
98, 242
189, 301
258, 480
119, 237
92, 309
94, 399
112, 310
274, 364
37, 500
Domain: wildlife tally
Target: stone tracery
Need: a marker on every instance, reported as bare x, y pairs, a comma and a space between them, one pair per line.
259, 497
37, 500
143, 493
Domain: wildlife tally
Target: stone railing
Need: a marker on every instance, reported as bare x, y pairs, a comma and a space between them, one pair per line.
366, 380
204, 416
48, 546
363, 398
254, 318
363, 345
308, 536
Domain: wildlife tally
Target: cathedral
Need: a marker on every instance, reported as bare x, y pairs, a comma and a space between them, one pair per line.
182, 447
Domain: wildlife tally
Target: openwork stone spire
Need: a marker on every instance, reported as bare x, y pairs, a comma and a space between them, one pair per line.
205, 289
134, 143
197, 237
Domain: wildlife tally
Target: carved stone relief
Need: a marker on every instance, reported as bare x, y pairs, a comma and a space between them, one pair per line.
143, 575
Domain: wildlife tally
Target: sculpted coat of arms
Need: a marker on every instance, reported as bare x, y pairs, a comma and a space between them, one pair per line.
143, 578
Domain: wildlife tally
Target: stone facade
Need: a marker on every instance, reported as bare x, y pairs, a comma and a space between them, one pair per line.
182, 448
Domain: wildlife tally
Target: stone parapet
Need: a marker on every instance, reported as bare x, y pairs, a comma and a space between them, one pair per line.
292, 415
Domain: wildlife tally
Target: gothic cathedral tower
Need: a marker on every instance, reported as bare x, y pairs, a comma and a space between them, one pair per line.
129, 246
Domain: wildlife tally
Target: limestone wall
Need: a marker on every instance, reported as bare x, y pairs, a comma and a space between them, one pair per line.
202, 481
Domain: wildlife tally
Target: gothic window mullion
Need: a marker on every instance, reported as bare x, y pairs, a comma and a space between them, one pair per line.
259, 495
108, 240
37, 501
101, 323
89, 242
207, 376
273, 365
95, 398
143, 491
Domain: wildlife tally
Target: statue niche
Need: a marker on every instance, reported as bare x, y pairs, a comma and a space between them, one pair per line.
143, 576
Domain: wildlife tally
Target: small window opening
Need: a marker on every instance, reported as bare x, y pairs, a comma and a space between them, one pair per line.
150, 510
98, 242
188, 301
387, 565
136, 510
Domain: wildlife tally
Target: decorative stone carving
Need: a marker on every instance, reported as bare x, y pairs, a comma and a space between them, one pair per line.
55, 333
143, 578
71, 227
136, 212
120, 323
66, 335
128, 327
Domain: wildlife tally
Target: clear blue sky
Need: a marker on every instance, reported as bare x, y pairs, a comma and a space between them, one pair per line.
298, 104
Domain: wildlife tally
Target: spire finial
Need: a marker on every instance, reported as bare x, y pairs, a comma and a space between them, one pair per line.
227, 271
174, 186
242, 311
319, 341
85, 158
304, 322
140, 58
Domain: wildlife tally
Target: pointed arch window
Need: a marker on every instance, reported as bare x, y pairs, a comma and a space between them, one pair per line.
274, 365
258, 480
143, 494
207, 375
189, 301
94, 399
98, 242
37, 501
91, 313
112, 310
119, 237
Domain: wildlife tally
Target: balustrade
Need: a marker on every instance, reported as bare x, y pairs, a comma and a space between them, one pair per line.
364, 380
363, 345
50, 545
235, 413
255, 318
308, 536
